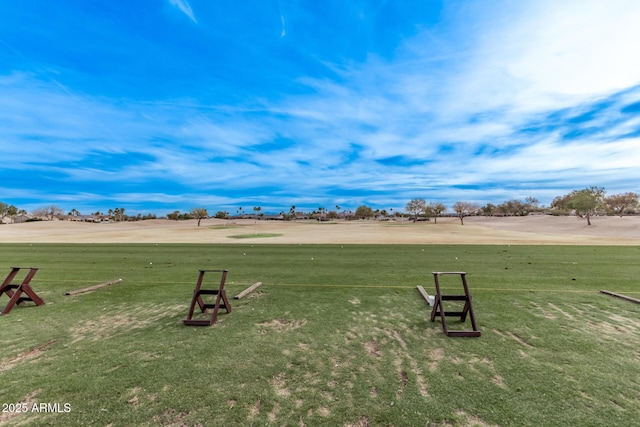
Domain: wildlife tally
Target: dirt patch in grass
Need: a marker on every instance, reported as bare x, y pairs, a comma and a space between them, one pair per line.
544, 312
282, 324
279, 385
113, 324
435, 355
256, 294
135, 400
373, 349
520, 339
561, 311
33, 353
323, 411
171, 418
254, 409
363, 421
471, 420
273, 414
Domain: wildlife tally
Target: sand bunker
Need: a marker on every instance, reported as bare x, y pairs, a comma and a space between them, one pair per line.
537, 229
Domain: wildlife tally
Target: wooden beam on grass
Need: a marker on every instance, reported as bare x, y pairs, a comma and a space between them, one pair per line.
624, 297
424, 294
248, 290
93, 288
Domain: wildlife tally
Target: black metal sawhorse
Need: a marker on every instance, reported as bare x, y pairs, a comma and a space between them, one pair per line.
438, 306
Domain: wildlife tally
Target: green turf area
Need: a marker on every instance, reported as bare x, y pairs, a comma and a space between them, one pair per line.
254, 235
337, 335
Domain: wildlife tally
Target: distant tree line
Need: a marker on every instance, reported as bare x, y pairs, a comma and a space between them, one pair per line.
585, 203
592, 201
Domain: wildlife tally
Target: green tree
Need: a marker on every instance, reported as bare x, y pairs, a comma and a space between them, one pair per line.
118, 214
364, 212
199, 214
12, 212
175, 215
435, 209
292, 212
619, 203
561, 204
488, 209
416, 206
4, 211
586, 202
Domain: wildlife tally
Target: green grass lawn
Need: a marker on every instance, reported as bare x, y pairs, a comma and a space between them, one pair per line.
254, 235
337, 335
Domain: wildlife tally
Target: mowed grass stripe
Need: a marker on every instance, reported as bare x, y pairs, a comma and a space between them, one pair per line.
324, 285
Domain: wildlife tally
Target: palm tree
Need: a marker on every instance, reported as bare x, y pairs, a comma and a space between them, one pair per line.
321, 211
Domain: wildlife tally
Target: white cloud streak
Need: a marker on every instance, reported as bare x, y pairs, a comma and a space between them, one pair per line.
435, 121
185, 8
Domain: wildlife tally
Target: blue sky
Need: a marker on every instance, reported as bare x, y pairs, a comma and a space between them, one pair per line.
162, 105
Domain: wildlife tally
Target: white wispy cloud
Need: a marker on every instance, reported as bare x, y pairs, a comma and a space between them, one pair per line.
539, 55
185, 8
441, 118
283, 33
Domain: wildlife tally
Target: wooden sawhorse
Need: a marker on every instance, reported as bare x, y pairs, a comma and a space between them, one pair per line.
221, 300
438, 307
15, 290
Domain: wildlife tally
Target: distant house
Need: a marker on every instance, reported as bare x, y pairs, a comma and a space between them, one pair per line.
16, 219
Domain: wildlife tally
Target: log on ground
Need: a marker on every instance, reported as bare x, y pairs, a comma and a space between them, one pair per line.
248, 290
